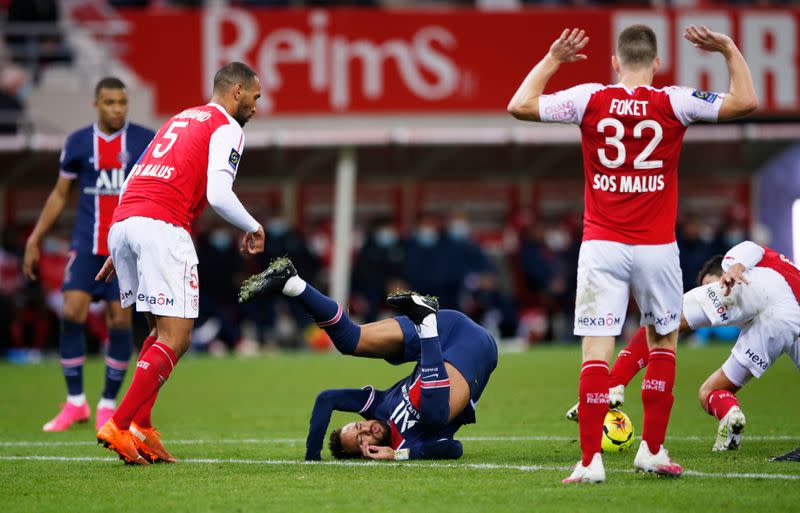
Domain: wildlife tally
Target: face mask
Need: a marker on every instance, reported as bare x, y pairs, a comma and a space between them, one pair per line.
458, 230
220, 239
427, 237
277, 227
556, 240
734, 237
385, 237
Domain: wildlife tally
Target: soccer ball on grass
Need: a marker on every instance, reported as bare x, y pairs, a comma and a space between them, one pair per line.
617, 432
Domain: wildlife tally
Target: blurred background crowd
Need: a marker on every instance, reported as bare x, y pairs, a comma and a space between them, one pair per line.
510, 266
517, 280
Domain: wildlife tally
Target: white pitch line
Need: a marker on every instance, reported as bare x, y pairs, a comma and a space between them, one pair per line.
473, 466
289, 441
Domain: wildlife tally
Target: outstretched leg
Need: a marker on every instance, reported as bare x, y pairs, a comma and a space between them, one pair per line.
382, 339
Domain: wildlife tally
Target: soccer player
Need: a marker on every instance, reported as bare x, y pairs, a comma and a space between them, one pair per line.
417, 417
764, 306
631, 137
192, 160
98, 157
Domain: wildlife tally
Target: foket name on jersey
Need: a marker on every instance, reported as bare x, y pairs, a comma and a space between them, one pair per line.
628, 107
628, 184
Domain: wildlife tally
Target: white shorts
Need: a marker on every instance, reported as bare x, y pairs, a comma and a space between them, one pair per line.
156, 266
608, 272
767, 337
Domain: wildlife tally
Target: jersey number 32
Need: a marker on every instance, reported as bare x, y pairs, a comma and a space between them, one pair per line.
615, 140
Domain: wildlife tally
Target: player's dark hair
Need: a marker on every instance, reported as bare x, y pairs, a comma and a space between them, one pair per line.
337, 449
231, 74
636, 46
712, 267
108, 83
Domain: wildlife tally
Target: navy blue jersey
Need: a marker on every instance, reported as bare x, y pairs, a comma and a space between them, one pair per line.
465, 345
398, 406
99, 163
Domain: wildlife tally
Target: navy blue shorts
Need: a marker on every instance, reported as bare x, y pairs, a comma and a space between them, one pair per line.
465, 345
79, 275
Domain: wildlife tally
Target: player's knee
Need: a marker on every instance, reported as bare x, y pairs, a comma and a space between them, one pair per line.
74, 313
702, 394
119, 320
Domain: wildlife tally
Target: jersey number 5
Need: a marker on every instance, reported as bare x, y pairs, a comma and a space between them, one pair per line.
640, 162
161, 150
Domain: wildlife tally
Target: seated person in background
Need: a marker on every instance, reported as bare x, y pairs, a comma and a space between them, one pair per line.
418, 416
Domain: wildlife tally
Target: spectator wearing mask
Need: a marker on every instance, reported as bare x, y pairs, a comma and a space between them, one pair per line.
426, 266
379, 262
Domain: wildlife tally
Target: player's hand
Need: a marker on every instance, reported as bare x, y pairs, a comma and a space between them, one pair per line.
377, 452
705, 39
566, 47
253, 243
734, 275
107, 272
30, 260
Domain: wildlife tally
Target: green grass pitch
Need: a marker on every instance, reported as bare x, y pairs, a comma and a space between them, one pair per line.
240, 426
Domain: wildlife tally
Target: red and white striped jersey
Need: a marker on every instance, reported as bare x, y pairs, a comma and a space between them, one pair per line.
99, 164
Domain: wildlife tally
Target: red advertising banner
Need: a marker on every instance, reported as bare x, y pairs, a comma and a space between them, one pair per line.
365, 61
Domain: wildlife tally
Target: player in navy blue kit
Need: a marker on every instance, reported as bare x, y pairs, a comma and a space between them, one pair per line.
418, 416
98, 157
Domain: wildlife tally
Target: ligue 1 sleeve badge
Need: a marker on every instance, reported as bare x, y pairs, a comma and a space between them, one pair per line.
234, 158
703, 95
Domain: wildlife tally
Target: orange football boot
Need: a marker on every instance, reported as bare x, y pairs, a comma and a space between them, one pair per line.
148, 441
120, 441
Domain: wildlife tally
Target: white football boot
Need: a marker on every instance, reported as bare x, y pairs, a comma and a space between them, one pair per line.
595, 472
729, 432
616, 396
659, 463
572, 413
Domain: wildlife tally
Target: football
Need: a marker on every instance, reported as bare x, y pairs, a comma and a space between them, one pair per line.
617, 432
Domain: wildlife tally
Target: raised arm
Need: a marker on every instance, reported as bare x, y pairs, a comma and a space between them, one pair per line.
525, 103
346, 399
741, 98
53, 207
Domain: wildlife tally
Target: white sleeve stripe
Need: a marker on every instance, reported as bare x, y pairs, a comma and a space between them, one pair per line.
369, 401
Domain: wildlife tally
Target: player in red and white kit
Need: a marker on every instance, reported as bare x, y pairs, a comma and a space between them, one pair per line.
631, 137
765, 305
193, 159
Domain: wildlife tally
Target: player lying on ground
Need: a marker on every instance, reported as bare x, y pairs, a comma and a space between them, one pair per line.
631, 135
764, 305
417, 417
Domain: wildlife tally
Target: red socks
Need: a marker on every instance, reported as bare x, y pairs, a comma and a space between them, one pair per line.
593, 406
152, 370
657, 398
142, 417
630, 360
149, 341
719, 402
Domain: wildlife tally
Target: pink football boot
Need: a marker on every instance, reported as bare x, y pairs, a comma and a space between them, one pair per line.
69, 415
101, 416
